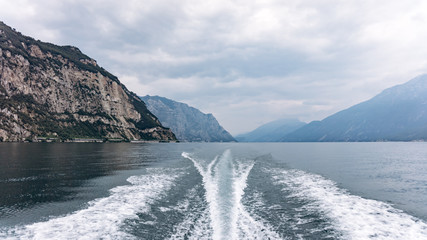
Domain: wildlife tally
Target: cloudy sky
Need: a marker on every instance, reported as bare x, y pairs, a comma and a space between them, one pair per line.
247, 62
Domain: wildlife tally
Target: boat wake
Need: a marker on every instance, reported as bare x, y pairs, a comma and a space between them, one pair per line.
227, 198
353, 216
103, 217
224, 180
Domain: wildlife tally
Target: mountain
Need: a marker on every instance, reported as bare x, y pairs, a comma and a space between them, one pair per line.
188, 123
398, 113
59, 92
272, 131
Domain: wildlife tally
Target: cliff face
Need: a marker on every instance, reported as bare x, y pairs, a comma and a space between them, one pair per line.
47, 90
188, 123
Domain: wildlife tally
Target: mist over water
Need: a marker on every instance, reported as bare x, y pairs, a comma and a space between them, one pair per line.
212, 191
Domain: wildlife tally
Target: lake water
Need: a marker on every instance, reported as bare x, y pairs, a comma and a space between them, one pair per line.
213, 191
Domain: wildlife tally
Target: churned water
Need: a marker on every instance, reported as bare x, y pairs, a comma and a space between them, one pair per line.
213, 191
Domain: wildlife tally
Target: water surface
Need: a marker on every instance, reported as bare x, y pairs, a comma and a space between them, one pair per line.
213, 191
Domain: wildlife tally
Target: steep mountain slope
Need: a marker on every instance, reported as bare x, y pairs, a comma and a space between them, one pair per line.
271, 132
397, 114
188, 123
48, 90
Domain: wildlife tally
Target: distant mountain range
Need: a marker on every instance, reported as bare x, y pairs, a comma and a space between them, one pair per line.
57, 92
188, 123
272, 131
398, 113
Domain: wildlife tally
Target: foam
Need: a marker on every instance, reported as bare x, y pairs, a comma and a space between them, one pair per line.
354, 216
103, 217
196, 224
224, 180
23, 179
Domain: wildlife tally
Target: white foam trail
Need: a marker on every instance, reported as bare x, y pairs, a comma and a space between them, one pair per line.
354, 216
211, 187
104, 217
224, 180
196, 225
24, 179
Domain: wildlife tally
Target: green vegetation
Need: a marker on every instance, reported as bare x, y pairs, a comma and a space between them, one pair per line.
46, 123
149, 120
98, 114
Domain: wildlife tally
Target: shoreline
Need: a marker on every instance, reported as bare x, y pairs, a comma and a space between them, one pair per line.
90, 140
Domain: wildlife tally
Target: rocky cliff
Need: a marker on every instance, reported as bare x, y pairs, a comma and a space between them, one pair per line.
52, 91
188, 123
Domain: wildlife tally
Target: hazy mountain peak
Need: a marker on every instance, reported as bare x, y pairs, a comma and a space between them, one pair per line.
398, 113
188, 123
415, 88
272, 131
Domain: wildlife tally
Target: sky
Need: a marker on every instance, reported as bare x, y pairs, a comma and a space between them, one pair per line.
246, 62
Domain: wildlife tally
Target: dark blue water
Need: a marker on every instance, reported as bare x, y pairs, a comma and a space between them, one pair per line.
213, 191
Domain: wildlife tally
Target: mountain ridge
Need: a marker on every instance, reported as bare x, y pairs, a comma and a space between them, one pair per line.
188, 123
271, 131
59, 92
398, 113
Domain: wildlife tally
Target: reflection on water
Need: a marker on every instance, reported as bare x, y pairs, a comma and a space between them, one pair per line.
37, 173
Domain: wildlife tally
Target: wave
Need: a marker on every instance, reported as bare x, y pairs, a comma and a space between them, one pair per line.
224, 180
103, 217
196, 224
24, 179
231, 200
355, 217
